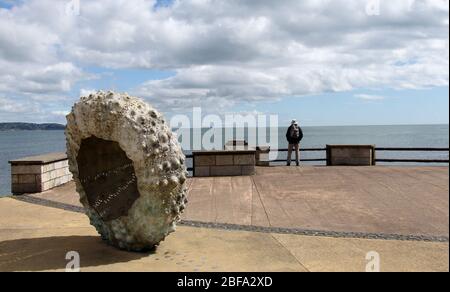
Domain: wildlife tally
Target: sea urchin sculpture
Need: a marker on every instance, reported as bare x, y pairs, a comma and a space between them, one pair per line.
128, 168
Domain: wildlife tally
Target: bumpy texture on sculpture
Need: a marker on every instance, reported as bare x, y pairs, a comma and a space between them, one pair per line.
157, 167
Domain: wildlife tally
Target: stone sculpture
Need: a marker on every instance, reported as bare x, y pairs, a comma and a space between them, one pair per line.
128, 168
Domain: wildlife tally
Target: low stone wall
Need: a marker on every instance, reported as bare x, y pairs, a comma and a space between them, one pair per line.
39, 173
224, 163
353, 155
262, 156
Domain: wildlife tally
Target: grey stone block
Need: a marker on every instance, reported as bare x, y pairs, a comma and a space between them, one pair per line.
61, 172
352, 161
25, 188
49, 185
201, 171
27, 178
205, 160
34, 176
26, 169
354, 155
48, 167
46, 177
226, 159
244, 159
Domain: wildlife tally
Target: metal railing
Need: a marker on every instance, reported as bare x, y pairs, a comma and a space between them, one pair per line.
303, 159
377, 149
411, 149
190, 156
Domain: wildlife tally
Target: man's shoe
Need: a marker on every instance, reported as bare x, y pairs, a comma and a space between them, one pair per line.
288, 164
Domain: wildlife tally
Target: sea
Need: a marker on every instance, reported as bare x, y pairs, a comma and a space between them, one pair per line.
17, 144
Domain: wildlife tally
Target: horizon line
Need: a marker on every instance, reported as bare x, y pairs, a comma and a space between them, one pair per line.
280, 126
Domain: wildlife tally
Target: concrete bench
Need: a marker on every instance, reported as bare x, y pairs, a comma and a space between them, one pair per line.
236, 145
262, 156
36, 174
353, 155
224, 163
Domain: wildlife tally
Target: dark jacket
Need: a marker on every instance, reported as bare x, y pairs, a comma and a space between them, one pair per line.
292, 140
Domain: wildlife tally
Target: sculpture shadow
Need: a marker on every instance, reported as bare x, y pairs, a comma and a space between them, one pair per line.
49, 253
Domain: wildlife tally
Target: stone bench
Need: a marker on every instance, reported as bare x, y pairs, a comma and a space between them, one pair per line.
353, 155
262, 156
224, 163
36, 174
236, 145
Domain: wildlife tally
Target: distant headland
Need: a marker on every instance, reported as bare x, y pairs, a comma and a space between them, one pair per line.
30, 126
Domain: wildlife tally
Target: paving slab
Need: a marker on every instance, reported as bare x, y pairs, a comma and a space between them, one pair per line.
37, 238
379, 200
322, 254
382, 199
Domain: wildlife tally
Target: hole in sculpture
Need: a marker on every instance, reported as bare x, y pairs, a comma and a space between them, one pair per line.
107, 176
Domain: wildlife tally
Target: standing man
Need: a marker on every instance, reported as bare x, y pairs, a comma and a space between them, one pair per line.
294, 135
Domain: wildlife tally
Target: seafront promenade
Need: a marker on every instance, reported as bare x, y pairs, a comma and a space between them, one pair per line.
281, 219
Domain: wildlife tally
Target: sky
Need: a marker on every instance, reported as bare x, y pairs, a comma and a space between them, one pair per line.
323, 62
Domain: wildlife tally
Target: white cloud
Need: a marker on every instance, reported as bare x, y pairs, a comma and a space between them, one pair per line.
225, 52
15, 110
369, 97
60, 113
8, 105
86, 92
